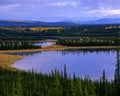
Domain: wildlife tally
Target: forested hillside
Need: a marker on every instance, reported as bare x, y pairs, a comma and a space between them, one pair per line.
37, 33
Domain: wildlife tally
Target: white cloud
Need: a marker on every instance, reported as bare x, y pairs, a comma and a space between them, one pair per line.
67, 3
9, 6
87, 8
104, 11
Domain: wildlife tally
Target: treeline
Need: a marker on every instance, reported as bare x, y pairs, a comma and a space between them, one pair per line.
19, 83
89, 42
38, 33
17, 45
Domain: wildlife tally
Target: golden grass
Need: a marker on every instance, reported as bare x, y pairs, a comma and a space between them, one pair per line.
6, 60
22, 29
57, 47
45, 28
47, 48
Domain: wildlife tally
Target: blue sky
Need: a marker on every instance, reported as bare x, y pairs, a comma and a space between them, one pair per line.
57, 10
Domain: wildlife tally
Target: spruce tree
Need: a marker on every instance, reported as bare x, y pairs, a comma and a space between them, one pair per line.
117, 76
103, 84
19, 84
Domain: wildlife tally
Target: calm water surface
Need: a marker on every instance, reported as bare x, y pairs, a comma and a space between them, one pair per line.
82, 63
42, 44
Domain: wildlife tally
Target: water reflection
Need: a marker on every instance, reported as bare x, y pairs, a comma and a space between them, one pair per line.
69, 51
85, 51
24, 54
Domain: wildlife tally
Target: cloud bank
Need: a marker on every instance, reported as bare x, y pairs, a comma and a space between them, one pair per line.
64, 3
106, 11
49, 10
9, 6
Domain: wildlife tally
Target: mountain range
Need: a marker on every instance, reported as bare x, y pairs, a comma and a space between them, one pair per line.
19, 23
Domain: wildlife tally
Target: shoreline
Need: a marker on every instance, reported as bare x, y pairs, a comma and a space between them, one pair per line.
58, 47
6, 60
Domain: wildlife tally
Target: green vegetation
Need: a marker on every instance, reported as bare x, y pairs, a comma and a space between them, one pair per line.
17, 45
17, 83
38, 33
89, 42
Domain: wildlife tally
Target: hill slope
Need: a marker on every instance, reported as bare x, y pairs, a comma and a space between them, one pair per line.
34, 23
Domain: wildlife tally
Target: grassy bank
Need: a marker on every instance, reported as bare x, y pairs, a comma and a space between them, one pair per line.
6, 60
58, 47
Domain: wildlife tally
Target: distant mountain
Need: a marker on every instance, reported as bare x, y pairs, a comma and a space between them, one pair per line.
34, 23
102, 21
19, 23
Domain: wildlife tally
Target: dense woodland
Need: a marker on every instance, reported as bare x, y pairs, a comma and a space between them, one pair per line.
17, 45
89, 41
38, 33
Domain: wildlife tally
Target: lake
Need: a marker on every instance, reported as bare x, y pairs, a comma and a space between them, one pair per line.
42, 44
89, 62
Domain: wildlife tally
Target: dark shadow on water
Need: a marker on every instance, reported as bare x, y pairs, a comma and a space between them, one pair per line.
24, 53
85, 51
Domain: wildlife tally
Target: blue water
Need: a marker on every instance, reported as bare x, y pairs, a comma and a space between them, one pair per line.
82, 63
42, 44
